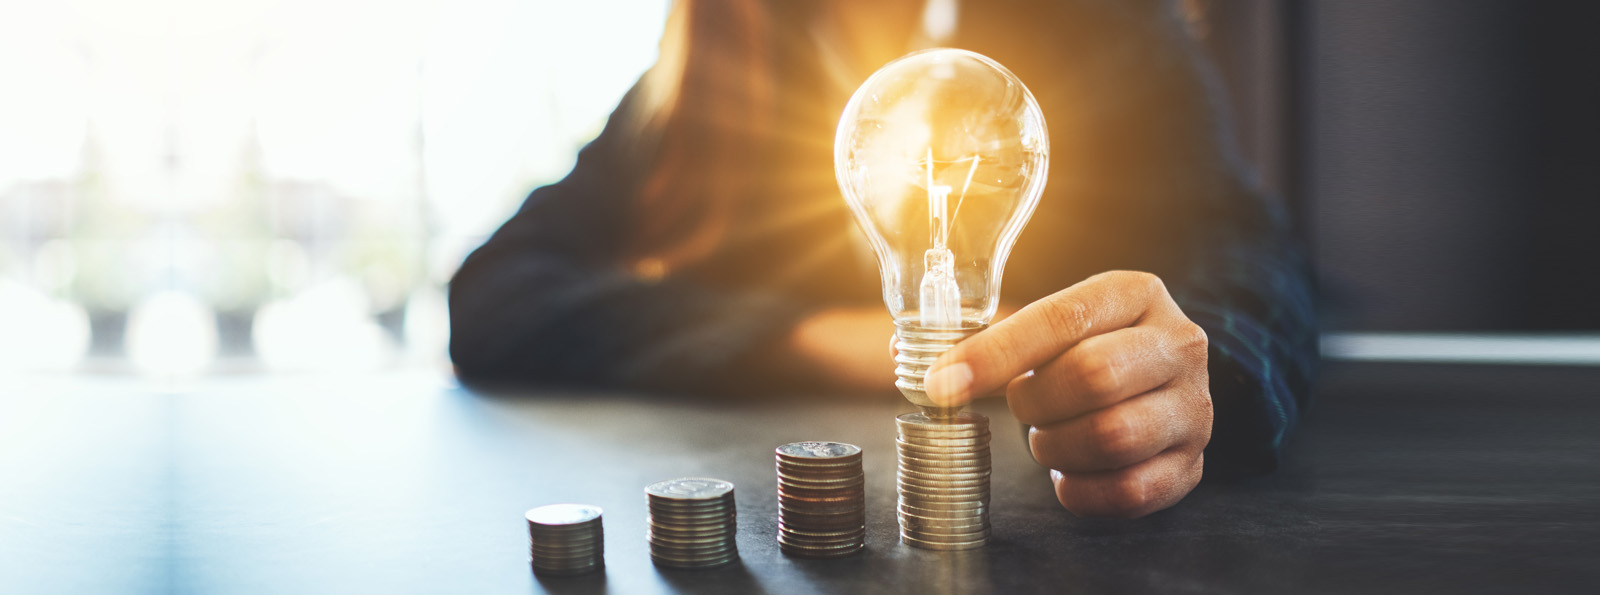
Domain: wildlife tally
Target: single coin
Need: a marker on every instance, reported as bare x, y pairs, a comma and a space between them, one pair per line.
800, 552
697, 550
930, 500
815, 542
819, 464
937, 474
693, 557
567, 571
552, 545
557, 515
903, 446
692, 530
820, 479
958, 443
934, 545
716, 503
959, 431
975, 454
812, 533
820, 514
575, 567
691, 542
811, 519
820, 546
694, 564
692, 514
964, 418
942, 484
722, 535
552, 560
690, 488
821, 483
843, 491
820, 509
943, 508
818, 450
943, 488
943, 526
840, 473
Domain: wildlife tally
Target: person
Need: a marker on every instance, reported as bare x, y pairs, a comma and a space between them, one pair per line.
1162, 325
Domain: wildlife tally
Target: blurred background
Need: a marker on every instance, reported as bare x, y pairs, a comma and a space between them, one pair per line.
196, 187
191, 186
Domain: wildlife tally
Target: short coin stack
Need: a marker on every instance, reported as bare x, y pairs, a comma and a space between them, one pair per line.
566, 539
944, 480
693, 523
822, 505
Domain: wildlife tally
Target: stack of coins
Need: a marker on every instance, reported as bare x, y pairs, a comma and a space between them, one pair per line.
822, 504
944, 480
566, 539
692, 523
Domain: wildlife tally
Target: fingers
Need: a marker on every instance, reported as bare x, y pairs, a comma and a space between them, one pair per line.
1131, 492
1099, 372
1118, 437
985, 362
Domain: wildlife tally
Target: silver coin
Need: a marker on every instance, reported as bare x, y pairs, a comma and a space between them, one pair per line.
942, 484
903, 446
801, 552
807, 533
568, 546
955, 443
687, 541
568, 571
691, 538
691, 550
848, 544
942, 431
942, 508
557, 555
937, 474
943, 526
822, 483
819, 450
943, 488
935, 545
959, 420
690, 488
697, 564
563, 514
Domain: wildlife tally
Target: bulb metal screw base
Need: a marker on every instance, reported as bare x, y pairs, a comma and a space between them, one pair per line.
918, 347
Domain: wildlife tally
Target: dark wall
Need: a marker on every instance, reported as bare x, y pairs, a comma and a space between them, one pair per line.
1446, 155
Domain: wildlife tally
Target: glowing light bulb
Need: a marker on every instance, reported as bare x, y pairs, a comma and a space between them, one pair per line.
942, 155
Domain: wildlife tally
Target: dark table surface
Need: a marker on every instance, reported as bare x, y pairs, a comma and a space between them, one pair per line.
1407, 478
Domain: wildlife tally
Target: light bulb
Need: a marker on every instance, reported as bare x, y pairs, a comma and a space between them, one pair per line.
942, 155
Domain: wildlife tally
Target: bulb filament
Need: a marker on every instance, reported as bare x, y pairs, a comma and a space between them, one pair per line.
941, 296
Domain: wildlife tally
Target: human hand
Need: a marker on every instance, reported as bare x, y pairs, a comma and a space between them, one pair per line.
1112, 376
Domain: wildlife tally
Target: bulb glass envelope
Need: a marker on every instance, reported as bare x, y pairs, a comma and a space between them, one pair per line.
942, 155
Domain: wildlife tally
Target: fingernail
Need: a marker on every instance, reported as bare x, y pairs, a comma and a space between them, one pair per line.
948, 386
1055, 476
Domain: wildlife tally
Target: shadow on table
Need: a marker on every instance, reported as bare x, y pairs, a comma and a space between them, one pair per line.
594, 582
733, 578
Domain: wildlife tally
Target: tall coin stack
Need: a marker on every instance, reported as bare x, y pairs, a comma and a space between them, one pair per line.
693, 523
566, 539
822, 503
944, 480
